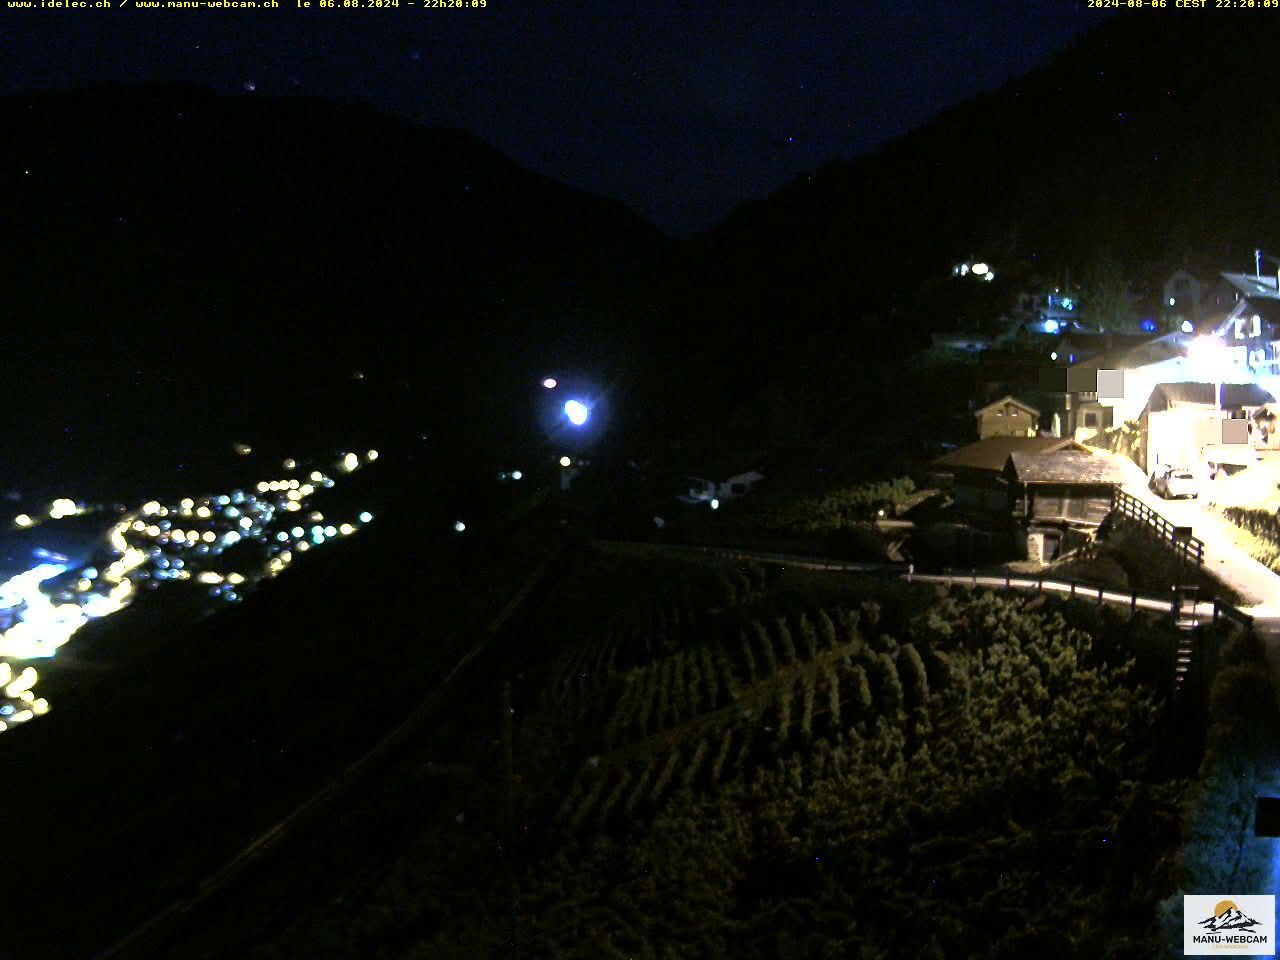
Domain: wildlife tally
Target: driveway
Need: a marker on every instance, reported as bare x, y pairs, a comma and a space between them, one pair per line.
1258, 585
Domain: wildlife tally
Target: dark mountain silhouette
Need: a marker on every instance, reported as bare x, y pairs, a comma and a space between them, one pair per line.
166, 249
1153, 140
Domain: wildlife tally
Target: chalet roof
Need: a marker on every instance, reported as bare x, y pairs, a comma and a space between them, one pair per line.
1007, 398
1144, 352
993, 452
1233, 395
1064, 466
1263, 287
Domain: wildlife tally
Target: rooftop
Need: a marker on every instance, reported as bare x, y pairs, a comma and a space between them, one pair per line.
1233, 395
1141, 353
1064, 466
993, 452
1253, 286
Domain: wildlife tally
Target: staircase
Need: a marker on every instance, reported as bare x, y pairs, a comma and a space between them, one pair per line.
1184, 617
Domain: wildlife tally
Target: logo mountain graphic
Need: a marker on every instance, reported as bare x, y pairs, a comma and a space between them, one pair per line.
1228, 917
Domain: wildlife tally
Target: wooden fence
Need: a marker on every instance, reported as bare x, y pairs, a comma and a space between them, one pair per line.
1134, 510
1171, 603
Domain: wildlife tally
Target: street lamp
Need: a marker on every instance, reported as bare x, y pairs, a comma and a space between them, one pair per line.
577, 412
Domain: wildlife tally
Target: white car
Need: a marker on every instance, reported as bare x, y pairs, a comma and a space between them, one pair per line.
1174, 482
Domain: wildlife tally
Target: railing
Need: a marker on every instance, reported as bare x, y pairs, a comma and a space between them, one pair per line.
1131, 508
1100, 593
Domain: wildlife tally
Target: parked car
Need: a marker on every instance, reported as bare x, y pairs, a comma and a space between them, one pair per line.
1174, 482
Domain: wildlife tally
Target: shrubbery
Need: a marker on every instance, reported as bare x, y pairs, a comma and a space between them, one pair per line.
982, 763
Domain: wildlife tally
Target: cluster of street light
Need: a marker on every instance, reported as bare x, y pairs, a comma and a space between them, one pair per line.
41, 608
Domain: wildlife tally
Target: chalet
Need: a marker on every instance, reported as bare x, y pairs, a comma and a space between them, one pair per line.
1244, 311
973, 473
1059, 498
1182, 296
1111, 387
1007, 417
1182, 425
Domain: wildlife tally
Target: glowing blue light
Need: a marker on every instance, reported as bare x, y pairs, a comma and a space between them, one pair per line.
1149, 325
89, 573
459, 526
1050, 326
366, 517
516, 474
577, 412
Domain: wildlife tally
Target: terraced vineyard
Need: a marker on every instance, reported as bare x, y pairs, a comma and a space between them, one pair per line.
808, 765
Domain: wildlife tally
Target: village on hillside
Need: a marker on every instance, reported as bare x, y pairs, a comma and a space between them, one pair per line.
1182, 416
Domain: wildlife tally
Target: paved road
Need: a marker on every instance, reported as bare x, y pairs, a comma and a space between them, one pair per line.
1258, 586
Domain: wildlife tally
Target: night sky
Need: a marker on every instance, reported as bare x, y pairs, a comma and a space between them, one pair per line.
681, 114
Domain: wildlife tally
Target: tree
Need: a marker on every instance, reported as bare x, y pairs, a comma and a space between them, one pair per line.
1106, 295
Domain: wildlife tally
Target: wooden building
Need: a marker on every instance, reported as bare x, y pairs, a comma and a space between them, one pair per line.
1059, 499
1007, 417
974, 473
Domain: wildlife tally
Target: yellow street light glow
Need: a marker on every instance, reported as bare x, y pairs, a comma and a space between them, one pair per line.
187, 503
150, 508
235, 578
26, 680
290, 464
347, 529
350, 462
565, 461
208, 576
204, 513
23, 520
208, 536
372, 455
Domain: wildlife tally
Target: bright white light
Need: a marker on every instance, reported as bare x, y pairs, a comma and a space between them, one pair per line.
715, 504
290, 464
1172, 301
1054, 355
549, 383
366, 517
372, 455
1186, 326
565, 461
516, 474
577, 412
350, 462
459, 526
1051, 326
979, 268
22, 520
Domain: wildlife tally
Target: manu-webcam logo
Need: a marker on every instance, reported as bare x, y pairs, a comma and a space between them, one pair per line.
1243, 925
